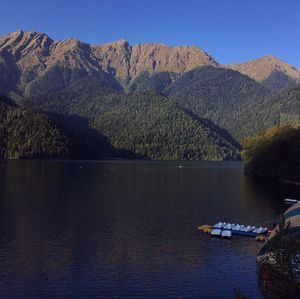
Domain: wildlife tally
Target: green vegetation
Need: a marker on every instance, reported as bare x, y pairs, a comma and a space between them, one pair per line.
274, 153
278, 81
289, 119
27, 134
155, 82
202, 114
111, 100
24, 134
154, 126
231, 100
146, 124
284, 108
59, 79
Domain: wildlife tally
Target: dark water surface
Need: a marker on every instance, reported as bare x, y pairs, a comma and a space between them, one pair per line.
128, 229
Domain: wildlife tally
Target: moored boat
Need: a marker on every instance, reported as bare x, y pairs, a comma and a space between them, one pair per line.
219, 224
250, 231
234, 229
226, 234
247, 229
216, 232
248, 234
228, 226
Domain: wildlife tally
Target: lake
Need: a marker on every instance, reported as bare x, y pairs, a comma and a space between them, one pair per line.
128, 229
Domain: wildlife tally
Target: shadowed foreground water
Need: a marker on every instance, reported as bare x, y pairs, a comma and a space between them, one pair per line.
128, 229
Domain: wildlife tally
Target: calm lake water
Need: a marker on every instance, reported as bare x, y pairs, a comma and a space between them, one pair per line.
129, 229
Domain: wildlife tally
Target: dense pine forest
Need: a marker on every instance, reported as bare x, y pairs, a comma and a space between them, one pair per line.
154, 126
143, 124
24, 134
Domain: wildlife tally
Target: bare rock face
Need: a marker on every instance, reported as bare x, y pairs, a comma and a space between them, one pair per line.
127, 62
161, 58
35, 53
72, 53
30, 49
263, 69
114, 58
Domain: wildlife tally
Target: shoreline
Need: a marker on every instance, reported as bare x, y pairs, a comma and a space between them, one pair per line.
275, 179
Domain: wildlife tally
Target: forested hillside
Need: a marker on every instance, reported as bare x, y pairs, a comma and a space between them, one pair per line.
284, 107
274, 153
29, 135
145, 123
188, 123
154, 126
231, 100
276, 109
155, 82
226, 97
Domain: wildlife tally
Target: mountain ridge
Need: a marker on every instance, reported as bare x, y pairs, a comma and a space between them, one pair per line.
36, 52
149, 100
269, 70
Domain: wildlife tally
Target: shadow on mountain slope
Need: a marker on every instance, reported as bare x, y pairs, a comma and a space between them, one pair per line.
89, 143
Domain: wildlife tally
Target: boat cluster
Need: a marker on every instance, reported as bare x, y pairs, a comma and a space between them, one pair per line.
225, 230
224, 233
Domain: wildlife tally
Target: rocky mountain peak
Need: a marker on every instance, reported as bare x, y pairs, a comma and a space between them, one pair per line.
160, 57
268, 69
32, 50
121, 43
29, 50
270, 57
278, 63
23, 43
34, 53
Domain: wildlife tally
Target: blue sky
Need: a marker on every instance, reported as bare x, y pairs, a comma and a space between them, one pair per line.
230, 30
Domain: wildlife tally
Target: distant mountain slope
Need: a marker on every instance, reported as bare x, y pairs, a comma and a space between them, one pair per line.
270, 71
145, 101
275, 109
288, 102
154, 126
34, 55
9, 73
29, 135
232, 100
282, 108
145, 123
27, 56
156, 82
222, 95
127, 62
161, 58
26, 133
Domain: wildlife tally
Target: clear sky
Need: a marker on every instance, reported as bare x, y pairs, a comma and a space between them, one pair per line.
230, 30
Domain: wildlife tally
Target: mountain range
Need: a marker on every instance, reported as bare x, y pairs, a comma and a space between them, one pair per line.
143, 101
